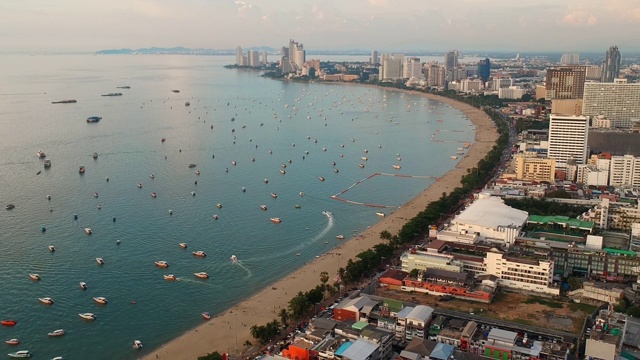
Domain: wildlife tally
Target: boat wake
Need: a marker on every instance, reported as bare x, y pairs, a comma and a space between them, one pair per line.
239, 264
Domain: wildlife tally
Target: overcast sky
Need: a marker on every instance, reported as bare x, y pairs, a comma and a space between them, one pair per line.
437, 25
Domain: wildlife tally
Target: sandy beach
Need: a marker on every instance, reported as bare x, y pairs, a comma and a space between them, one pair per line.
228, 331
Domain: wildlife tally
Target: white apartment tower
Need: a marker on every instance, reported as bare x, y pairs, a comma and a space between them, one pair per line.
392, 69
374, 57
625, 170
264, 57
238, 55
570, 59
619, 101
568, 137
412, 69
253, 58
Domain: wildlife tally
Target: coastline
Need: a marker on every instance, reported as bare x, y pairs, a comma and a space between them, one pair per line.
228, 331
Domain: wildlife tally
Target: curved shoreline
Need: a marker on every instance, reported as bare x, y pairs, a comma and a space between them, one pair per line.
228, 331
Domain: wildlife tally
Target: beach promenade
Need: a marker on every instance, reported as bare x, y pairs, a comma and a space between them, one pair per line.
228, 331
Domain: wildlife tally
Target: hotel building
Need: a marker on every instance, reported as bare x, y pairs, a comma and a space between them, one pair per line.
568, 137
618, 101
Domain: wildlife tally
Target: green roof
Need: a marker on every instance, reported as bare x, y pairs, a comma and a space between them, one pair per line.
359, 325
393, 305
574, 223
620, 252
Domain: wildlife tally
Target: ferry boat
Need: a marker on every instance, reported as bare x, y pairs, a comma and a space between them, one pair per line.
8, 322
170, 277
81, 170
162, 264
41, 154
381, 214
46, 300
199, 253
183, 245
69, 101
20, 354
206, 315
47, 163
137, 344
276, 220
12, 342
34, 277
56, 333
88, 316
340, 237
100, 261
263, 207
83, 285
93, 119
100, 300
201, 275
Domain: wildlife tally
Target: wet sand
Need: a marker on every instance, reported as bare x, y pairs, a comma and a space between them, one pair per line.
228, 331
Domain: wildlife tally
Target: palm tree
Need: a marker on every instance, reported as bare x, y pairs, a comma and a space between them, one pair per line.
284, 316
247, 343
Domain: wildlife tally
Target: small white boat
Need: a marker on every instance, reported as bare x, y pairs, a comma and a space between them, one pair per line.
381, 214
201, 275
95, 194
282, 172
46, 300
154, 195
263, 207
58, 358
137, 344
183, 245
88, 231
170, 277
276, 220
301, 193
51, 248
100, 261
234, 259
12, 342
83, 285
453, 157
219, 206
162, 264
139, 185
320, 178
100, 300
364, 158
41, 154
361, 166
35, 277
340, 237
88, 316
199, 253
59, 332
20, 354
215, 217
397, 167
274, 195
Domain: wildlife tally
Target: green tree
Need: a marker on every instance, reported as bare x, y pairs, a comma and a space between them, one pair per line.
211, 356
414, 273
385, 235
284, 316
247, 344
558, 194
633, 311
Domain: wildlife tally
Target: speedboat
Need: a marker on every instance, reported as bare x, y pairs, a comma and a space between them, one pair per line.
88, 316
340, 237
83, 285
58, 358
274, 195
199, 253
361, 166
336, 171
20, 354
282, 172
100, 300
364, 158
276, 220
54, 333
88, 231
170, 277
137, 344
95, 155
100, 261
12, 342
234, 259
95, 194
8, 322
51, 248
219, 206
301, 193
233, 163
191, 166
201, 275
320, 178
206, 315
263, 207
298, 206
162, 264
193, 193
93, 119
139, 185
153, 195
41, 154
35, 277
397, 167
152, 176
215, 217
381, 214
266, 181
47, 163
10, 206
81, 170
183, 245
46, 300
99, 206
197, 172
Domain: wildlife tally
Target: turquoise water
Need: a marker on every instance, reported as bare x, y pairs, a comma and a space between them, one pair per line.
128, 142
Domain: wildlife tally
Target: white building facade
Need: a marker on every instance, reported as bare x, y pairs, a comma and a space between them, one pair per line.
618, 101
568, 137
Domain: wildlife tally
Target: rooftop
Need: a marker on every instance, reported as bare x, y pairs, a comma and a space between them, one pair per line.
360, 350
563, 220
492, 212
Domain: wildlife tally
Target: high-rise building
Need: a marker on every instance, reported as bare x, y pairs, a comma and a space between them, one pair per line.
374, 57
619, 101
238, 55
392, 70
594, 72
565, 82
568, 137
625, 170
264, 57
484, 69
253, 58
433, 71
570, 59
412, 69
297, 54
611, 64
451, 60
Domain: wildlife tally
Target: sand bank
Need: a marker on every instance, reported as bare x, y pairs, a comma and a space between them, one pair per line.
229, 331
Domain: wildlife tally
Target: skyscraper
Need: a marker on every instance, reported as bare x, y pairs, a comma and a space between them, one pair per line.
484, 69
451, 60
611, 64
264, 57
619, 101
238, 55
565, 82
570, 59
568, 137
374, 57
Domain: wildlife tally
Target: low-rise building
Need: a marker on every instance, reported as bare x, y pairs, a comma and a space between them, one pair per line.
530, 167
527, 274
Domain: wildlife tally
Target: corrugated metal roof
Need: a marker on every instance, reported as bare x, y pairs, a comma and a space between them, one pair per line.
492, 212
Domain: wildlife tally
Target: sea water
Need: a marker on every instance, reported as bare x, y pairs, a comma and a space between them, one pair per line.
234, 115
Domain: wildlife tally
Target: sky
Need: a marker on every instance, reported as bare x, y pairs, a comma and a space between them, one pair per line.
385, 25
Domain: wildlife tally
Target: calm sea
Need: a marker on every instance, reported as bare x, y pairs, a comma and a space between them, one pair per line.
233, 116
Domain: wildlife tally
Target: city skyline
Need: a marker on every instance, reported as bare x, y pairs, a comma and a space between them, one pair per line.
72, 25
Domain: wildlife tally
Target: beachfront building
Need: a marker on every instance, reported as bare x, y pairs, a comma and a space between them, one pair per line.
618, 101
488, 219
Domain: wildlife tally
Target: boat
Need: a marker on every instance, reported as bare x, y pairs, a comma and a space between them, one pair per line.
88, 231
219, 206
301, 193
183, 245
191, 166
276, 220
154, 195
93, 119
152, 176
199, 253
58, 358
124, 87
215, 217
170, 277
397, 167
197, 172
69, 101
100, 300
234, 163
381, 214
201, 275
41, 154
206, 315
266, 181
10, 206
234, 259
42, 228
453, 157
12, 342
336, 171
8, 322
56, 333
20, 354
83, 285
139, 185
175, 91
34, 277
282, 172
364, 158
95, 194
46, 300
361, 166
274, 195
187, 103
88, 316
112, 94
162, 264
94, 156
137, 344
340, 237
263, 207
298, 206
81, 170
47, 163
320, 178
100, 261
51, 248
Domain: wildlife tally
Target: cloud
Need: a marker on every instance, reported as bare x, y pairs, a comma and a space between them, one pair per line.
579, 18
378, 2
